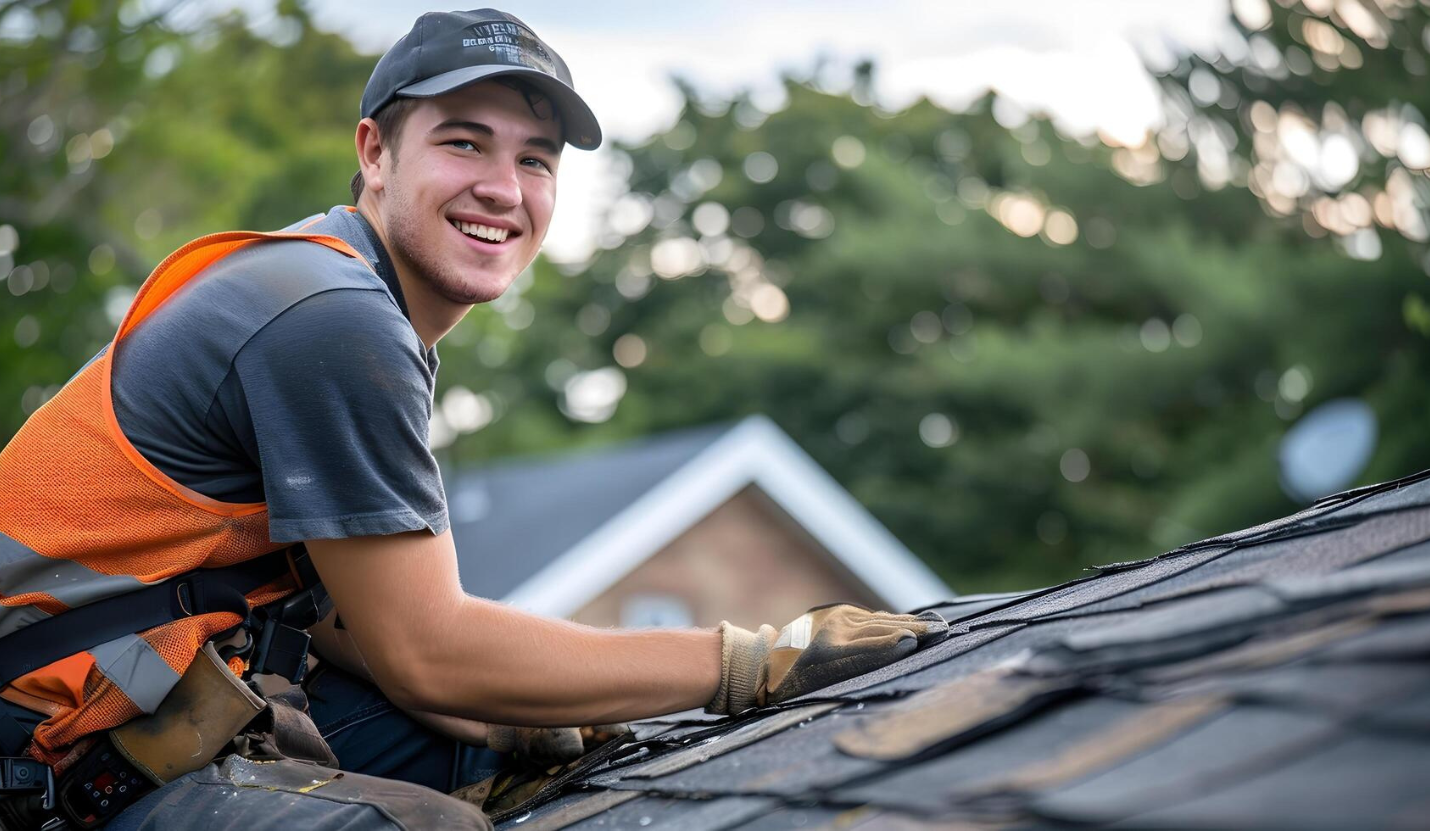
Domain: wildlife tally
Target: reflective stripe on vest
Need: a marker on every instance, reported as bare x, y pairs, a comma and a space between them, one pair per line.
85, 517
71, 584
136, 668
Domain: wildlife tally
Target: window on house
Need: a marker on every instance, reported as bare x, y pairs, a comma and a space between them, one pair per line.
655, 610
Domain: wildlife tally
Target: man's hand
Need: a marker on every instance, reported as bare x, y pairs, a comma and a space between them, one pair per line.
825, 645
543, 747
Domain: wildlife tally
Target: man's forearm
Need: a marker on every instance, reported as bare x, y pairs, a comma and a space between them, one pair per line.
336, 646
502, 665
432, 647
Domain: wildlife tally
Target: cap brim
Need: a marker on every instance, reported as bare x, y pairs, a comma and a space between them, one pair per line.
579, 126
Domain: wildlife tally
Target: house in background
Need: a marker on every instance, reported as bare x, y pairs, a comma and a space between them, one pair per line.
730, 522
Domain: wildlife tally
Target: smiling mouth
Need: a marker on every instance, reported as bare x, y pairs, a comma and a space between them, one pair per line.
485, 233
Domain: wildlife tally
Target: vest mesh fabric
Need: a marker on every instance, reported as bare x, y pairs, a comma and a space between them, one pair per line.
73, 488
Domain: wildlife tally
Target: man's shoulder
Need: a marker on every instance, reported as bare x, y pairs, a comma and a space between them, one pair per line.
259, 284
343, 324
221, 310
289, 269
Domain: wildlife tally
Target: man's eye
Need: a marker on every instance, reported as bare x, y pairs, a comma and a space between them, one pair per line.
540, 163
462, 144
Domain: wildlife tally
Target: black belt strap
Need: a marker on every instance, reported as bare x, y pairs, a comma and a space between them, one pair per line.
194, 593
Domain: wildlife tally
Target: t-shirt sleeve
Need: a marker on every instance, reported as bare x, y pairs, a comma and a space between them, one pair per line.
339, 393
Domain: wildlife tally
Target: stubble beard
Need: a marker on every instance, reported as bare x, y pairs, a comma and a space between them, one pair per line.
404, 235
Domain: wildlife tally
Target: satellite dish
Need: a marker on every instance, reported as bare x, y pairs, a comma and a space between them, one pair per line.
1327, 449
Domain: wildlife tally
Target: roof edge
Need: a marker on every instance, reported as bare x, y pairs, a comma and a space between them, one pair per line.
754, 451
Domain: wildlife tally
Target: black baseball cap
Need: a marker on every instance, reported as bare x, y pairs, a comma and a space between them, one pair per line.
446, 51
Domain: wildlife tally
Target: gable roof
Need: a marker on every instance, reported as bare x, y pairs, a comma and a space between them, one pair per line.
1272, 677
550, 537
503, 516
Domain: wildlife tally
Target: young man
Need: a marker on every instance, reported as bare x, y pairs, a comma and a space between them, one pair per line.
265, 393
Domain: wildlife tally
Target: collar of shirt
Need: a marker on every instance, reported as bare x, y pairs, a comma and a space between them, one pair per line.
351, 227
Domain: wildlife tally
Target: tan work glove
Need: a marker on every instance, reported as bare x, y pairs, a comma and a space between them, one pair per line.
544, 747
823, 646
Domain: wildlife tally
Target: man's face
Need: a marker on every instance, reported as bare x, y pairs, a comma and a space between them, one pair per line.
470, 197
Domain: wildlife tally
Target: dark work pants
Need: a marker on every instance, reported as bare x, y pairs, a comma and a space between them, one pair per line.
370, 735
366, 731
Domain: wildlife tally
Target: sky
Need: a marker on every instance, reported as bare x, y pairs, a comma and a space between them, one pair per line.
1081, 62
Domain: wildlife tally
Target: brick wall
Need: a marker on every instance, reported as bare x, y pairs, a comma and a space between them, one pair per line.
746, 562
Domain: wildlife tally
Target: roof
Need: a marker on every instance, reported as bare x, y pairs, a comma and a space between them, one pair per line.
502, 515
551, 535
1273, 677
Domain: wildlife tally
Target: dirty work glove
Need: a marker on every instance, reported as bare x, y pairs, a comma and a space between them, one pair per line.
545, 747
823, 646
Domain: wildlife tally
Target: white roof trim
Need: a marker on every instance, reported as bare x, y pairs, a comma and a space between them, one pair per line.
755, 452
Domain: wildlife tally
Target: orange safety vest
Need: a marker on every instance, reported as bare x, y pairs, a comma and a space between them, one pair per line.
85, 517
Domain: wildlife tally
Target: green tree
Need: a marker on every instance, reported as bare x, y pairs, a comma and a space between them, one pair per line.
1025, 354
124, 137
69, 72
1319, 109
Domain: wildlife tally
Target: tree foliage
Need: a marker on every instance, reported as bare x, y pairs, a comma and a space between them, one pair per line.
1318, 107
1014, 398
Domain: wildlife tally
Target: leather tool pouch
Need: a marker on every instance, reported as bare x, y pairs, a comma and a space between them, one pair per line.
285, 731
207, 708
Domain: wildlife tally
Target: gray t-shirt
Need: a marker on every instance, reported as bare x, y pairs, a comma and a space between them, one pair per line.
289, 373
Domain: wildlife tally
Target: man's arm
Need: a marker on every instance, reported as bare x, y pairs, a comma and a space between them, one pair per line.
337, 647
432, 647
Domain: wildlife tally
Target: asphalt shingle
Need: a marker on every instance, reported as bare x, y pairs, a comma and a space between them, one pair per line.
1274, 677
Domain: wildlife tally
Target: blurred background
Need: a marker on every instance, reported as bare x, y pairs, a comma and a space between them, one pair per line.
1041, 287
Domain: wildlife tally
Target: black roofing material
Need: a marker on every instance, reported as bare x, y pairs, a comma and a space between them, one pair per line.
805, 753
658, 812
704, 748
935, 786
974, 605
568, 811
1211, 755
945, 716
1353, 783
1275, 677
1112, 583
1321, 553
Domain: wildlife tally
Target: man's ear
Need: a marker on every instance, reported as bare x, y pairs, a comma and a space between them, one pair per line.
371, 161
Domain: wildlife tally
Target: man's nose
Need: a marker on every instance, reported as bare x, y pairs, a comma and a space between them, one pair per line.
499, 185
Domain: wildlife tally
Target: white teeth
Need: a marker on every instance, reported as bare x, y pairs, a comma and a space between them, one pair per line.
484, 232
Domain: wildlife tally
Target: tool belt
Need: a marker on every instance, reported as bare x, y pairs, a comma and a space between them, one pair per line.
209, 711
